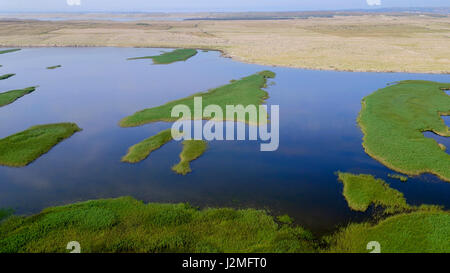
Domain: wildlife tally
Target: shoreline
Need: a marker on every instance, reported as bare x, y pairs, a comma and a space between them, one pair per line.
224, 54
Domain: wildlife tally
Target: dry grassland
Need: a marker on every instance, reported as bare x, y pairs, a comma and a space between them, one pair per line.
355, 43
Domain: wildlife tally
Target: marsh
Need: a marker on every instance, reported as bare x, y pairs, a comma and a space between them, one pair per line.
97, 87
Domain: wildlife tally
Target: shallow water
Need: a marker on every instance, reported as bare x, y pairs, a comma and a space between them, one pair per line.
96, 87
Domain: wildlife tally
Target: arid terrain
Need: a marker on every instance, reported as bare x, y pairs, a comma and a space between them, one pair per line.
413, 43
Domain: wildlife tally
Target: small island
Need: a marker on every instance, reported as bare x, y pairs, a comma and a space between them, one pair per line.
6, 76
54, 67
9, 50
412, 229
192, 149
142, 150
176, 55
393, 120
246, 91
21, 149
13, 95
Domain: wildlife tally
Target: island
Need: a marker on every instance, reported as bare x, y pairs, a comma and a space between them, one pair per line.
176, 55
21, 149
13, 95
54, 67
142, 150
6, 76
246, 91
393, 120
9, 50
192, 149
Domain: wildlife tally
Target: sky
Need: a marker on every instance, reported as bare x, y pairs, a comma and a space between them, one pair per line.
205, 5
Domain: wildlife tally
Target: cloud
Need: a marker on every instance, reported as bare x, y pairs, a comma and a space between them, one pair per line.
74, 2
373, 2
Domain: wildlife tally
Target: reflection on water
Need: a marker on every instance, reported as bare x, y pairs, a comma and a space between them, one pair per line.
96, 87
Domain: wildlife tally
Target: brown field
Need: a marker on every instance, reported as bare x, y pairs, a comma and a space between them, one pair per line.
355, 43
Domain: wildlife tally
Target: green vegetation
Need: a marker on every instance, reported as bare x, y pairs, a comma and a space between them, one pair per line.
398, 176
5, 213
9, 50
362, 190
143, 149
417, 232
6, 76
170, 57
246, 91
21, 149
11, 96
192, 149
285, 219
393, 120
54, 67
127, 225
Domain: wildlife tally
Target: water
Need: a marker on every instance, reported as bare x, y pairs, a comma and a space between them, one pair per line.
96, 87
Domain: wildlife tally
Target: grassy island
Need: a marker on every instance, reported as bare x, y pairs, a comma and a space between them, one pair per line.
246, 91
9, 50
54, 67
363, 190
6, 76
192, 149
393, 120
21, 149
128, 225
416, 232
398, 176
170, 57
424, 228
11, 96
142, 150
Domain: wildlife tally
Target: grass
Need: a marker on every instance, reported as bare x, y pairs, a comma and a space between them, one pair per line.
54, 67
393, 120
9, 50
363, 190
176, 55
5, 213
192, 149
128, 225
6, 76
246, 91
11, 96
142, 150
417, 232
398, 176
373, 42
21, 149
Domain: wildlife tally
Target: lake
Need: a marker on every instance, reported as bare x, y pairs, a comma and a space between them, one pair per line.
96, 87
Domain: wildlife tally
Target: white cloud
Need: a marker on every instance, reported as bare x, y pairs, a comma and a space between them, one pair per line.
74, 2
373, 2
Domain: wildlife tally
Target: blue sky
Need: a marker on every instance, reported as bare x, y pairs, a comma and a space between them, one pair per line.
206, 5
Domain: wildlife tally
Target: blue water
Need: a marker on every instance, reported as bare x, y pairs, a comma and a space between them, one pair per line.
96, 87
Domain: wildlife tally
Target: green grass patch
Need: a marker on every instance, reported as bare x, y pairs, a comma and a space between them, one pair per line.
417, 232
398, 176
176, 55
143, 149
393, 120
11, 96
363, 190
21, 149
54, 67
6, 76
9, 50
192, 149
5, 213
246, 91
127, 225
